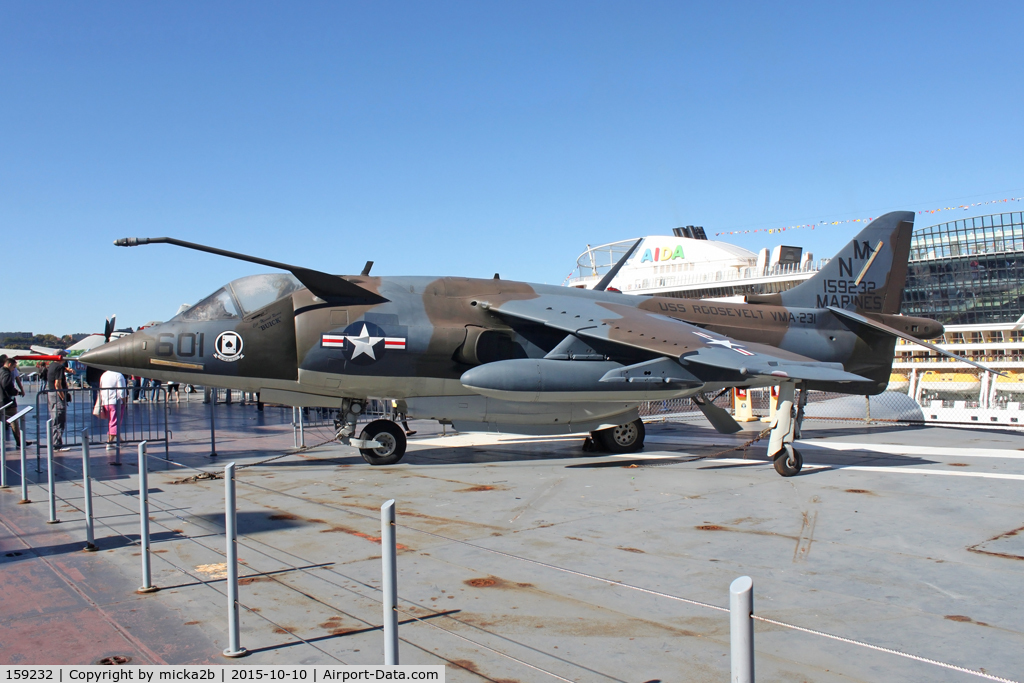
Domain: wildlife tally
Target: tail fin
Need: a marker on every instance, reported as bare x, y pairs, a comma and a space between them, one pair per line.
869, 273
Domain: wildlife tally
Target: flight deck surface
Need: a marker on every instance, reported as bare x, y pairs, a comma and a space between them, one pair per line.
900, 538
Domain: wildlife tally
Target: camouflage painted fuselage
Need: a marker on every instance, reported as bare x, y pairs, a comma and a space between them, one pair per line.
534, 358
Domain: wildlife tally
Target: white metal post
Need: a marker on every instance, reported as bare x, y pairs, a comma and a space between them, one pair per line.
147, 581
389, 584
87, 485
302, 433
49, 444
741, 629
231, 538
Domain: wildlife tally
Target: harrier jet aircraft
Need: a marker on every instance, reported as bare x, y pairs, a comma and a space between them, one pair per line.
498, 355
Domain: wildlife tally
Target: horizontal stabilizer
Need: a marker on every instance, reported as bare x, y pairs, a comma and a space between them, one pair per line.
868, 322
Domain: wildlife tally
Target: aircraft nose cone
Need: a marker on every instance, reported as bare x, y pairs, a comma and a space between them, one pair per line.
112, 355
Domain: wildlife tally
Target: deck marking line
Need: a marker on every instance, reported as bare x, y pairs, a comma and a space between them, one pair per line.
912, 470
893, 449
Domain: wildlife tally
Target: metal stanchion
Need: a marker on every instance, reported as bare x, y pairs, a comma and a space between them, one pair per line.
50, 479
117, 436
302, 433
741, 630
213, 428
24, 464
231, 538
49, 444
389, 584
90, 538
147, 581
295, 428
39, 439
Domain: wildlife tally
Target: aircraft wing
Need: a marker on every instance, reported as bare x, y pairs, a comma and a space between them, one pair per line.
627, 326
43, 350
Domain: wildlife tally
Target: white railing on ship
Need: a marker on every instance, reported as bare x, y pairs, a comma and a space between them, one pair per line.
650, 279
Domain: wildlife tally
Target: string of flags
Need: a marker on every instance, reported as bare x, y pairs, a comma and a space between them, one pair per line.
812, 226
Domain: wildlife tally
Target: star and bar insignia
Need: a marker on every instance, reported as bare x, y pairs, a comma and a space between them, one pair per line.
363, 342
727, 343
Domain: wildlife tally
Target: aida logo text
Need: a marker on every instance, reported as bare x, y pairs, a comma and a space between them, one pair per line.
663, 254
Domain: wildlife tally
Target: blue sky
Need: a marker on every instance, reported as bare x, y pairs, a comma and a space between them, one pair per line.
472, 138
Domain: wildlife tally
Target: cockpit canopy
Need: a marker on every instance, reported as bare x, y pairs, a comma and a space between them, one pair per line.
241, 297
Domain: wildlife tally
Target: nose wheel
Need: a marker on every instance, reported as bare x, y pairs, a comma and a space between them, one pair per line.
391, 439
789, 461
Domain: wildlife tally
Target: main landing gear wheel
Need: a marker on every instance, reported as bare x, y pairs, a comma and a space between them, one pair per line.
627, 438
391, 439
788, 462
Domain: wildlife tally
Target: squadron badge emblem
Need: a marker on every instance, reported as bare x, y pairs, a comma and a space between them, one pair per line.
363, 343
228, 347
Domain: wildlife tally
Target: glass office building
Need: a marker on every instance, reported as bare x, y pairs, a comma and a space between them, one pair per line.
968, 272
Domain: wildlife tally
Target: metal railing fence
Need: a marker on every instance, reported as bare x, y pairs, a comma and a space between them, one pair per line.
137, 421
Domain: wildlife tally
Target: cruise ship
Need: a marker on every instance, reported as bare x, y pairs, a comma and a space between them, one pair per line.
967, 274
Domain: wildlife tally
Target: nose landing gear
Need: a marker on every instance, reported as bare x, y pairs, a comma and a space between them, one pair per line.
789, 462
787, 459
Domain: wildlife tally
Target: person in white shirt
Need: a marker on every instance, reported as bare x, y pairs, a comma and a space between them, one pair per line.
113, 392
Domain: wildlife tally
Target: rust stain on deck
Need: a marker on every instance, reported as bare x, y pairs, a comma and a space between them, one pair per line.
977, 549
483, 583
336, 529
756, 532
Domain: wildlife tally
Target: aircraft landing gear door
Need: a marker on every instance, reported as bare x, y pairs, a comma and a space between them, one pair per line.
788, 460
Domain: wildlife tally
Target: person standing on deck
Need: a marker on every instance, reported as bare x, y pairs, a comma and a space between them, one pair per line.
8, 394
56, 386
113, 392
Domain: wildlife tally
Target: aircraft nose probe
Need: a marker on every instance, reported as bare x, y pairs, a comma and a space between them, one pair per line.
330, 288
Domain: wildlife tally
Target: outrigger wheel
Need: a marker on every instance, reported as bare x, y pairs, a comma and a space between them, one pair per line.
391, 439
627, 438
788, 461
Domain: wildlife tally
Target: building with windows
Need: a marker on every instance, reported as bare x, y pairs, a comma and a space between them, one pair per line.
968, 272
